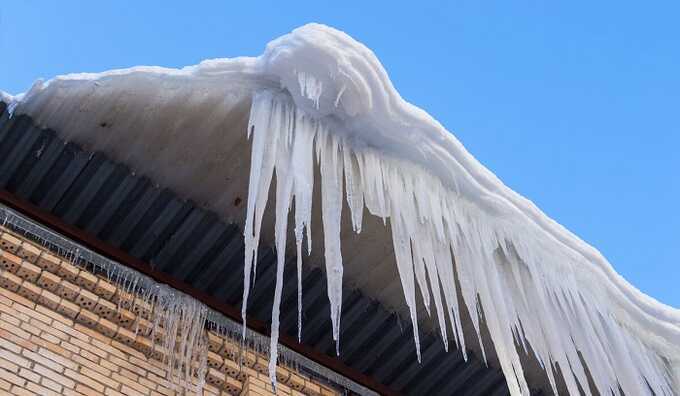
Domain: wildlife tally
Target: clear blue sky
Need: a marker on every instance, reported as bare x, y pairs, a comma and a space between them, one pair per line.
574, 105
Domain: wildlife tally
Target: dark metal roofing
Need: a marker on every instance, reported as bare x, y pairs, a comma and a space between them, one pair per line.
106, 200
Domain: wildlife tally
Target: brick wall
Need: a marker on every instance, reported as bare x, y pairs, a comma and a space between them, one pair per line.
66, 331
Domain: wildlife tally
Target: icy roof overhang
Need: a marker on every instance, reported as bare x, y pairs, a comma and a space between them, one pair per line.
125, 217
317, 91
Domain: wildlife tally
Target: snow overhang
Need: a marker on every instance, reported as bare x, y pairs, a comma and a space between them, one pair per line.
534, 280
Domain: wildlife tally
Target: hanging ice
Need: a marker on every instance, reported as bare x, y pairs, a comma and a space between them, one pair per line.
317, 93
451, 222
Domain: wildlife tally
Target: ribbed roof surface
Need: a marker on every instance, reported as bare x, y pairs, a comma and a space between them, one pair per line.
177, 237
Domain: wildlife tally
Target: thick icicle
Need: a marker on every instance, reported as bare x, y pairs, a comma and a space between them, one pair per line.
283, 123
328, 150
261, 168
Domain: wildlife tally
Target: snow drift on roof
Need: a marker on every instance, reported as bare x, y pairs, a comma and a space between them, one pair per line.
317, 95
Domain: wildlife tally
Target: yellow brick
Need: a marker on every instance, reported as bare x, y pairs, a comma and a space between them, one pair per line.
111, 392
40, 390
122, 348
123, 298
29, 291
48, 262
231, 368
231, 350
9, 262
135, 365
87, 391
62, 358
9, 243
215, 342
87, 318
215, 360
49, 299
88, 372
53, 375
68, 290
282, 375
49, 281
52, 314
9, 281
68, 271
143, 344
86, 299
29, 375
296, 382
125, 336
127, 390
215, 377
15, 330
125, 318
28, 271
143, 326
68, 309
124, 381
84, 380
141, 307
105, 289
50, 384
12, 378
106, 327
28, 252
312, 388
21, 391
105, 309
86, 280
232, 385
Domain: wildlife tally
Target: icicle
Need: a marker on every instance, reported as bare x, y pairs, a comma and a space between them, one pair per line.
284, 190
263, 110
440, 240
302, 163
331, 205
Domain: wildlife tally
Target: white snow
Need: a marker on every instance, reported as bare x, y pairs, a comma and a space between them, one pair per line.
317, 91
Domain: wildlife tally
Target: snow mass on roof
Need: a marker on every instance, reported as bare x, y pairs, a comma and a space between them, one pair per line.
319, 98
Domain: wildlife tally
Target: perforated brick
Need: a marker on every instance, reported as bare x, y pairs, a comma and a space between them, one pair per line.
68, 271
9, 262
68, 309
232, 386
105, 309
143, 344
28, 271
48, 262
68, 290
29, 291
10, 281
9, 242
125, 336
142, 308
214, 360
87, 318
215, 377
125, 318
28, 252
104, 289
86, 299
86, 280
106, 327
49, 281
49, 299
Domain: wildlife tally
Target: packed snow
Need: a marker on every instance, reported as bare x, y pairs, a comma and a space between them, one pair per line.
319, 98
